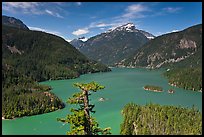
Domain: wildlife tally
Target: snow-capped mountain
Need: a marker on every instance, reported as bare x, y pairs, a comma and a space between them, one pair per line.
116, 44
130, 27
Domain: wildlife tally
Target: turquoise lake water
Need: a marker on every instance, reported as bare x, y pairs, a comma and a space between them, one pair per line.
122, 85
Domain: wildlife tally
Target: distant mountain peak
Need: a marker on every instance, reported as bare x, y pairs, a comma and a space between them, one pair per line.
77, 43
129, 27
114, 45
13, 22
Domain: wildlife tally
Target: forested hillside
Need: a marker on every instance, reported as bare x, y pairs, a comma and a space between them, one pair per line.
153, 119
180, 53
169, 49
29, 57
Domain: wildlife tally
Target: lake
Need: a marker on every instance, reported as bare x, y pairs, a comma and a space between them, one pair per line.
122, 86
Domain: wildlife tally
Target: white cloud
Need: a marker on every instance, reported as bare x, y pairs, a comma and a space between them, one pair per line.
80, 31
49, 12
45, 30
102, 25
92, 25
84, 39
136, 8
135, 11
36, 28
172, 9
68, 40
175, 30
53, 14
23, 7
131, 12
98, 25
102, 28
28, 8
172, 31
162, 33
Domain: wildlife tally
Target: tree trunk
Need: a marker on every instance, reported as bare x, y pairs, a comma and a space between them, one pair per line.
87, 127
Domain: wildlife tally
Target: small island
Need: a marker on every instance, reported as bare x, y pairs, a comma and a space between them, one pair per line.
153, 88
171, 91
101, 99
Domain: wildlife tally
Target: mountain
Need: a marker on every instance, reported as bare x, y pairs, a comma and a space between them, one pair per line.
183, 48
44, 56
77, 43
180, 52
29, 57
13, 22
116, 44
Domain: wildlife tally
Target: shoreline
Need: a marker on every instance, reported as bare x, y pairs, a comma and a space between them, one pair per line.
174, 85
152, 90
3, 118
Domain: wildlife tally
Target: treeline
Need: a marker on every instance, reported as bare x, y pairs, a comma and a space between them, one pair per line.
23, 102
152, 87
21, 96
154, 119
187, 78
29, 57
44, 56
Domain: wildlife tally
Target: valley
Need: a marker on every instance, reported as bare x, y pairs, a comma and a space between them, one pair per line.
87, 68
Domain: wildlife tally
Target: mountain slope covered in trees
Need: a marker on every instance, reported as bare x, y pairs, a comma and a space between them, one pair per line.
173, 48
180, 52
29, 57
154, 119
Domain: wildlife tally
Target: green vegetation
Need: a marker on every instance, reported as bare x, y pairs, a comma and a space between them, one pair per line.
21, 96
29, 57
187, 78
153, 119
18, 102
153, 88
81, 121
165, 51
170, 47
43, 56
13, 22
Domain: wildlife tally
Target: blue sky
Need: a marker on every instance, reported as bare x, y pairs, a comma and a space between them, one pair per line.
77, 19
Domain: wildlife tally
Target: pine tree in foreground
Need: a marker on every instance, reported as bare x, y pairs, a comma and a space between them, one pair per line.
81, 121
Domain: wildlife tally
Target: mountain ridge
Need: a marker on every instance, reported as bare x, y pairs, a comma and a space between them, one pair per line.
13, 22
167, 48
29, 57
114, 45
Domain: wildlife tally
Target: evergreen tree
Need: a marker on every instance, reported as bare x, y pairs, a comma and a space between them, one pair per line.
81, 121
155, 119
